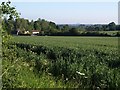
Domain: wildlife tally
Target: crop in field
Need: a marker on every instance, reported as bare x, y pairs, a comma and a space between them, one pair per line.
89, 62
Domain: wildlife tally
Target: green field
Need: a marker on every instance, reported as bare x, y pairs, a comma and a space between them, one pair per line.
82, 62
71, 42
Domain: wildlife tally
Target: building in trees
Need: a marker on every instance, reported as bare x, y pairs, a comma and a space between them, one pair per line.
35, 32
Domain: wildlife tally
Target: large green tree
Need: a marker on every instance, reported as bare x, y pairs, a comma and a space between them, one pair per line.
112, 26
65, 28
74, 31
9, 12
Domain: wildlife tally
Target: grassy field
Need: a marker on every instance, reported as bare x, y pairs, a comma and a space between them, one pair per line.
57, 62
71, 42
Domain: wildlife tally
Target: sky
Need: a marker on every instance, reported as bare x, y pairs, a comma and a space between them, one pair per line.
62, 0
70, 12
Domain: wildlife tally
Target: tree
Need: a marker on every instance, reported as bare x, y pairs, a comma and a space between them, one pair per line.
22, 24
37, 25
10, 13
112, 26
10, 26
52, 24
74, 31
65, 28
105, 27
117, 27
90, 28
45, 26
30, 26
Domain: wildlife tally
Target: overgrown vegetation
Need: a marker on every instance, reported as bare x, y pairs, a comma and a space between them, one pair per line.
19, 67
88, 66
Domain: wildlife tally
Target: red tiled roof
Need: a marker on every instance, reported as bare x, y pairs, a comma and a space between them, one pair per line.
35, 31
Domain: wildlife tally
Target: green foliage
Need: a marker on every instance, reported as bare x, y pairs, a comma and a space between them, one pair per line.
45, 27
9, 13
24, 69
112, 26
56, 62
9, 10
74, 31
8, 25
65, 28
86, 62
37, 25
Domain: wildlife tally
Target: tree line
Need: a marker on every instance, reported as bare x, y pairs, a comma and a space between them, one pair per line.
50, 28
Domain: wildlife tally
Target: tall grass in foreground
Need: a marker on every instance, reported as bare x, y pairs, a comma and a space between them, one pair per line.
71, 62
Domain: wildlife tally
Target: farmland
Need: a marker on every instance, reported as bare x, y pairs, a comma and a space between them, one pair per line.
82, 62
57, 62
71, 42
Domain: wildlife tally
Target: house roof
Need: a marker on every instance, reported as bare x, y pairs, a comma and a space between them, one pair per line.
35, 31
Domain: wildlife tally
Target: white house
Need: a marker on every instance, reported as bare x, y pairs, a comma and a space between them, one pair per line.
35, 32
26, 32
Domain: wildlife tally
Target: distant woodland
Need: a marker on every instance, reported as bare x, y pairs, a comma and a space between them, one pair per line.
51, 29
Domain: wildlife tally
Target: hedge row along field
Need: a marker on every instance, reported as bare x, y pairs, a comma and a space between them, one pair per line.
86, 62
